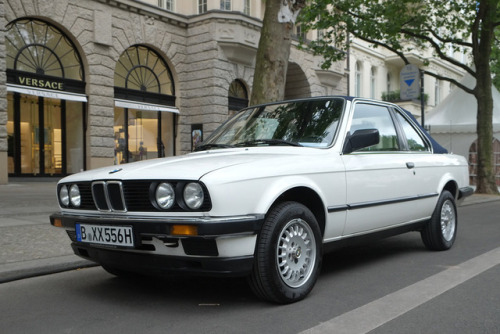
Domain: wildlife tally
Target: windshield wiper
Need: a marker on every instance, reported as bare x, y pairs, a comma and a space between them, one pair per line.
211, 146
257, 142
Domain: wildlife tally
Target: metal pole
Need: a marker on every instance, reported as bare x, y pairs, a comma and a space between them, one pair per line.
422, 106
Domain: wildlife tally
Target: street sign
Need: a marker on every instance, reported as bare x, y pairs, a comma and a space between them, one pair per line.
409, 79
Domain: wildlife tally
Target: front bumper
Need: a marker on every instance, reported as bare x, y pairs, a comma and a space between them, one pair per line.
222, 246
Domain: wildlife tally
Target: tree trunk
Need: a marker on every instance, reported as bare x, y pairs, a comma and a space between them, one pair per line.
272, 57
485, 171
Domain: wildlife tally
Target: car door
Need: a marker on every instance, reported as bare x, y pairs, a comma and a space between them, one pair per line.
382, 182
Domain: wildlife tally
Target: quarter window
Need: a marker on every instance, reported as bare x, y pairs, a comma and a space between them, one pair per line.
413, 139
369, 116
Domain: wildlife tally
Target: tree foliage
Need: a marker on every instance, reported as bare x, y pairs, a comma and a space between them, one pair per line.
405, 26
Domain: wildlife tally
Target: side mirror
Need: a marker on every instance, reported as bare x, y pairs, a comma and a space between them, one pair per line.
361, 139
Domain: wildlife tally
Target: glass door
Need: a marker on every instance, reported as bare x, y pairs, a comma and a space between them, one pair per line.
52, 137
36, 133
30, 135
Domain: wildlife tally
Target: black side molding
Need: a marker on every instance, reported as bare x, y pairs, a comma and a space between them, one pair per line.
363, 205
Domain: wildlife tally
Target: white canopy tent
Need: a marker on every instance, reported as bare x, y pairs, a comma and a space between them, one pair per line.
453, 122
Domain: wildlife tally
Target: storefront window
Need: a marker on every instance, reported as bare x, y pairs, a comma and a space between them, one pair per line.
45, 100
11, 134
142, 129
30, 134
120, 137
74, 137
143, 92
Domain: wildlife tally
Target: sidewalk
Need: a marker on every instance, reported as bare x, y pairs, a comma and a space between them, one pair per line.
30, 246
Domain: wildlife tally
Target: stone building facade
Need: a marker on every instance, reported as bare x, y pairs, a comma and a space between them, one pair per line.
91, 83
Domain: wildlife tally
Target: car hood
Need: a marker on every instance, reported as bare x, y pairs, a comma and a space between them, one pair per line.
192, 166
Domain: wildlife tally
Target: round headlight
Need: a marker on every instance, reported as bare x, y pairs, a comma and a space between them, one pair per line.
193, 195
165, 196
74, 196
64, 195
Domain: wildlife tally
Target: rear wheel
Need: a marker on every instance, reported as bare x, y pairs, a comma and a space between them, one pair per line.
441, 230
288, 254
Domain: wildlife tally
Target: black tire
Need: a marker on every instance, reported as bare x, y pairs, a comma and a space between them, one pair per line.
288, 254
440, 232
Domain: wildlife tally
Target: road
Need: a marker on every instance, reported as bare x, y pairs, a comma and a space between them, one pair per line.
390, 286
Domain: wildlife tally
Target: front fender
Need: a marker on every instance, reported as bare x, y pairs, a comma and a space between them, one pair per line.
256, 196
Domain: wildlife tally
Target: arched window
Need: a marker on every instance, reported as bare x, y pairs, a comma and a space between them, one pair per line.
144, 106
473, 161
45, 100
142, 69
37, 47
237, 96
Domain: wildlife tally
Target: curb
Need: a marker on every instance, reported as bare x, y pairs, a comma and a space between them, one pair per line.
27, 269
480, 199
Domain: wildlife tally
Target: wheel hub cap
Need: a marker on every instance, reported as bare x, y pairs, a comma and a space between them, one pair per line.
296, 253
448, 220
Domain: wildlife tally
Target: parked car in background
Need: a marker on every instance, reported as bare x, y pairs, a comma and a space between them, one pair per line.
267, 194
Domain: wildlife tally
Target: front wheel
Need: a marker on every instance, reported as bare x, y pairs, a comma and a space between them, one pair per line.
441, 230
288, 254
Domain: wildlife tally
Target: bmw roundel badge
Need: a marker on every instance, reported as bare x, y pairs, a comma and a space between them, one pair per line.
115, 170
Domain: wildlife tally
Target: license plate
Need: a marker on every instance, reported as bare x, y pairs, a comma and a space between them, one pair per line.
105, 235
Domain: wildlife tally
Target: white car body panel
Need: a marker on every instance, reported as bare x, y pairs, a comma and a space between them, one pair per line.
356, 193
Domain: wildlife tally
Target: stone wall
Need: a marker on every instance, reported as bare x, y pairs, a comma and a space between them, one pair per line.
204, 52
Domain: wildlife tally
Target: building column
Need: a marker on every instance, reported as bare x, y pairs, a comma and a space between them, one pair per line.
100, 111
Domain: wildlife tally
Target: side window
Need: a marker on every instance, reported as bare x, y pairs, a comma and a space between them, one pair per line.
369, 116
415, 142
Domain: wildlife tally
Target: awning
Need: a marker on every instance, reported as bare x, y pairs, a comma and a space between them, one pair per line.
144, 106
53, 94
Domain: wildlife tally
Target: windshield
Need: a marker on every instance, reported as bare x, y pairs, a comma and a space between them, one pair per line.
311, 123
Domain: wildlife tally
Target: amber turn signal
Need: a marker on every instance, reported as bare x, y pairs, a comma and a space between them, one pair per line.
57, 222
184, 230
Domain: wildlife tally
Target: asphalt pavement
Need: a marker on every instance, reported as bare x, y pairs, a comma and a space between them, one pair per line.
30, 246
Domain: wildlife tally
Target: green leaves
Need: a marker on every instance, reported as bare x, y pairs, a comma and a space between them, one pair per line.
435, 25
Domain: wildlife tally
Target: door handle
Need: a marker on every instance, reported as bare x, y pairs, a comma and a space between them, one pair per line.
410, 165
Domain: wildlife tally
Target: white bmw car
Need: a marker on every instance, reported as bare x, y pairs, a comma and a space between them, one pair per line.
267, 193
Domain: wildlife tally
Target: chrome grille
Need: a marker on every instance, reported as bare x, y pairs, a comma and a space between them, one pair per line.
108, 196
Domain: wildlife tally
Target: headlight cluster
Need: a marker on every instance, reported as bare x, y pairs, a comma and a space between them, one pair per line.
192, 195
69, 195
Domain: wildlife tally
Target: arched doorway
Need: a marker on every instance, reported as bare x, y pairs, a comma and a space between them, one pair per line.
46, 100
237, 98
144, 106
296, 86
473, 162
